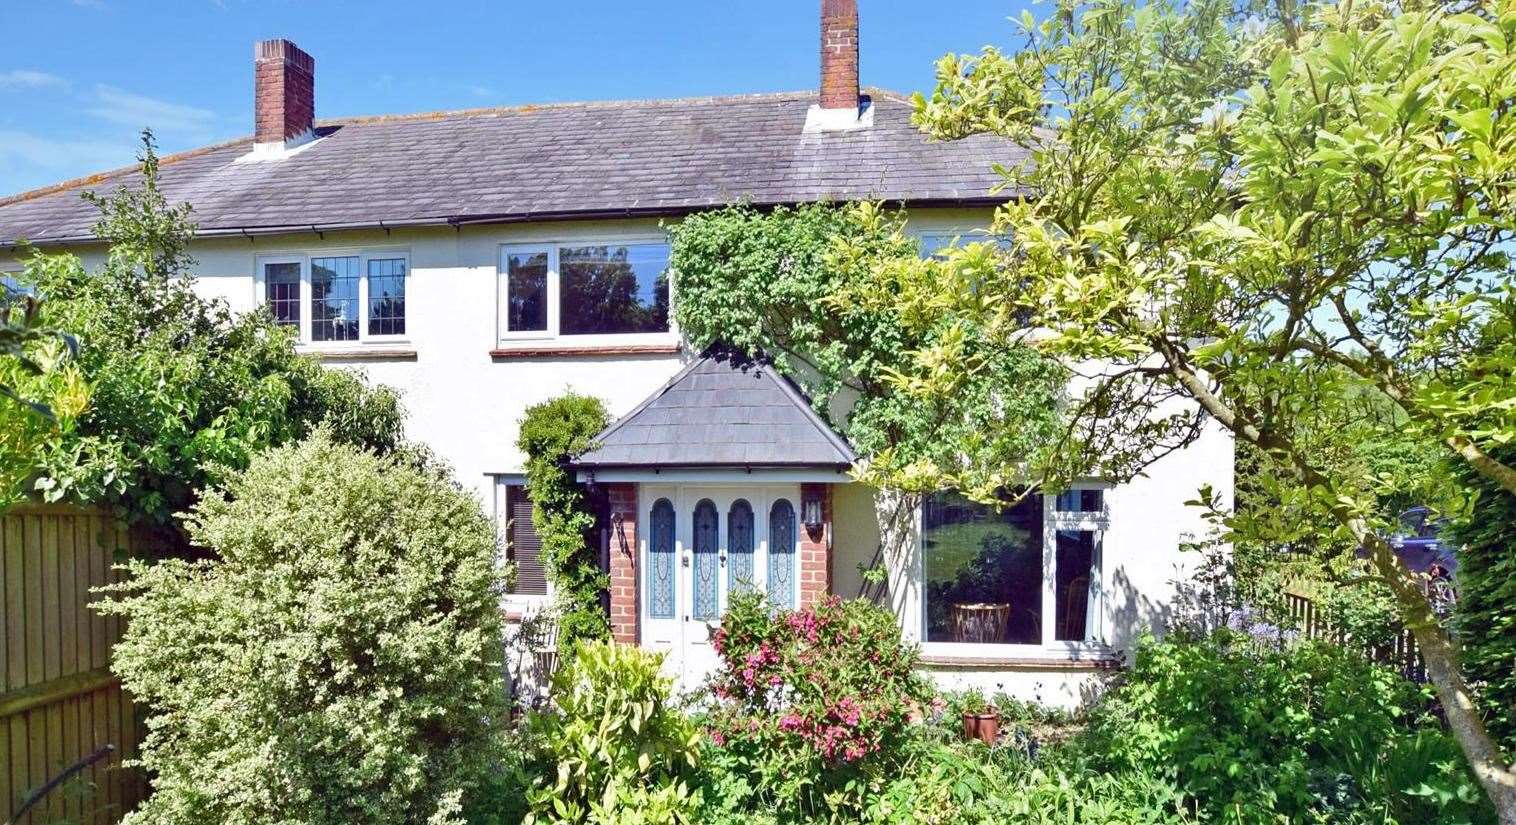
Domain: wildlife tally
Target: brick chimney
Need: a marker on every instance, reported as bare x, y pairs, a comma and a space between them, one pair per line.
839, 54
840, 107
284, 94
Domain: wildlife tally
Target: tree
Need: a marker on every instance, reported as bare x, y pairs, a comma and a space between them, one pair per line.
1248, 215
182, 390
42, 392
337, 661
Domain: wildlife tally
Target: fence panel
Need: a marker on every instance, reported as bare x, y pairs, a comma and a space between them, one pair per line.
1401, 653
59, 702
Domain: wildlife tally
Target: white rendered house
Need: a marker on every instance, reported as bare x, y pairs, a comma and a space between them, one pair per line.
487, 260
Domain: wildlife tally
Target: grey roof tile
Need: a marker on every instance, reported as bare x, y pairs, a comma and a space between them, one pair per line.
721, 410
657, 157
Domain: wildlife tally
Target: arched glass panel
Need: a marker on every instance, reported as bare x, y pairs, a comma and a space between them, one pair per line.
782, 554
707, 604
739, 547
660, 572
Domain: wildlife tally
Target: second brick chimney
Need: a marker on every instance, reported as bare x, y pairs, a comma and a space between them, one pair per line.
839, 54
284, 94
840, 107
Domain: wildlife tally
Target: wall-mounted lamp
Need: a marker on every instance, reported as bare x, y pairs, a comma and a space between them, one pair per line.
810, 510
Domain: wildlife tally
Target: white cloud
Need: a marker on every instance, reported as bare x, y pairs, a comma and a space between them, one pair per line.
139, 111
28, 79
72, 156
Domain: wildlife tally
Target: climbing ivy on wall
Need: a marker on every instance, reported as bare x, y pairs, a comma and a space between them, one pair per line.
551, 432
799, 285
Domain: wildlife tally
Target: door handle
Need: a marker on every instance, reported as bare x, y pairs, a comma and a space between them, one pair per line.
684, 561
723, 559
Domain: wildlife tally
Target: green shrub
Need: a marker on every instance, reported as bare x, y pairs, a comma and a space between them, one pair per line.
181, 389
1485, 612
814, 706
551, 432
612, 750
1255, 735
338, 661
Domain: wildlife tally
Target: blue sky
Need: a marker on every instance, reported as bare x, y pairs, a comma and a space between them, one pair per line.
89, 74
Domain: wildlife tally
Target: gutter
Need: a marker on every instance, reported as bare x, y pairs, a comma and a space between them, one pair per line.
457, 222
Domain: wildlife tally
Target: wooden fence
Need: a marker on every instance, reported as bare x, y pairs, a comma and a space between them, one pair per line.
1400, 653
59, 702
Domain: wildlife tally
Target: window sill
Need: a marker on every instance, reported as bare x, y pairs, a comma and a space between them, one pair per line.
581, 351
365, 353
1094, 659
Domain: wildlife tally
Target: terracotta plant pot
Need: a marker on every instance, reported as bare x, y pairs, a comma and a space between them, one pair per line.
982, 726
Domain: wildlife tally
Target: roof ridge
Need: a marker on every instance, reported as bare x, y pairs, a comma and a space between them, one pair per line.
526, 108
112, 174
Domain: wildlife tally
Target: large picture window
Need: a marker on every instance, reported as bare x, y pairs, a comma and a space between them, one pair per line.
337, 299
584, 290
1026, 573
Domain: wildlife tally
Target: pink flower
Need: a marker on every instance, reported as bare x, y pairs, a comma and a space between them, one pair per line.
719, 738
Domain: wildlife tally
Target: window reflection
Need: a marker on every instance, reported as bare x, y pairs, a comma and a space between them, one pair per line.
613, 289
983, 570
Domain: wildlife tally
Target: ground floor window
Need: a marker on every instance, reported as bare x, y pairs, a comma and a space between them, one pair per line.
523, 546
1026, 572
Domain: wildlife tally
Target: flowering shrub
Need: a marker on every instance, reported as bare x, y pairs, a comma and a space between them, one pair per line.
813, 707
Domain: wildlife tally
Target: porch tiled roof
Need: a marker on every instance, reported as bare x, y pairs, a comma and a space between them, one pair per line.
721, 411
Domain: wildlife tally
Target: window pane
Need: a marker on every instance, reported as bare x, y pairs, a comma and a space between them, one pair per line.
525, 546
386, 297
526, 292
782, 554
706, 577
1078, 553
983, 570
1080, 501
281, 291
613, 289
739, 540
334, 299
661, 561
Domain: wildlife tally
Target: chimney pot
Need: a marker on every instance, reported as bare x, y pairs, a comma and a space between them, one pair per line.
839, 54
284, 94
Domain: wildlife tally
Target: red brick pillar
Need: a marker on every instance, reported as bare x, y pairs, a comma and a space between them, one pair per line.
816, 548
623, 552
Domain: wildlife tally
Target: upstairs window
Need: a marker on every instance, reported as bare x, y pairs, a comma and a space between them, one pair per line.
584, 290
337, 299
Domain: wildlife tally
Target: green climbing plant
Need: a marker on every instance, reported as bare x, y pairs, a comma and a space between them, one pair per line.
563, 513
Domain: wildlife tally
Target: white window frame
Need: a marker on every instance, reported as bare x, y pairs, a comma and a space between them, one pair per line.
969, 235
506, 338
364, 255
1053, 520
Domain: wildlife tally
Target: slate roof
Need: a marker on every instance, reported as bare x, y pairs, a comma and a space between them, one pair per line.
721, 411
662, 157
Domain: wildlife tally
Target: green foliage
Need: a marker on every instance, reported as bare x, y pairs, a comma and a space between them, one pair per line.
551, 432
181, 390
1486, 608
337, 661
1308, 733
42, 392
801, 285
812, 705
1252, 215
612, 750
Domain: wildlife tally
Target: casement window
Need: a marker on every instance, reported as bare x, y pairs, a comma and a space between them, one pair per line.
935, 243
337, 298
585, 291
523, 546
1025, 574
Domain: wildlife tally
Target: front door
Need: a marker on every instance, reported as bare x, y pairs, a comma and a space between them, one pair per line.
704, 544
